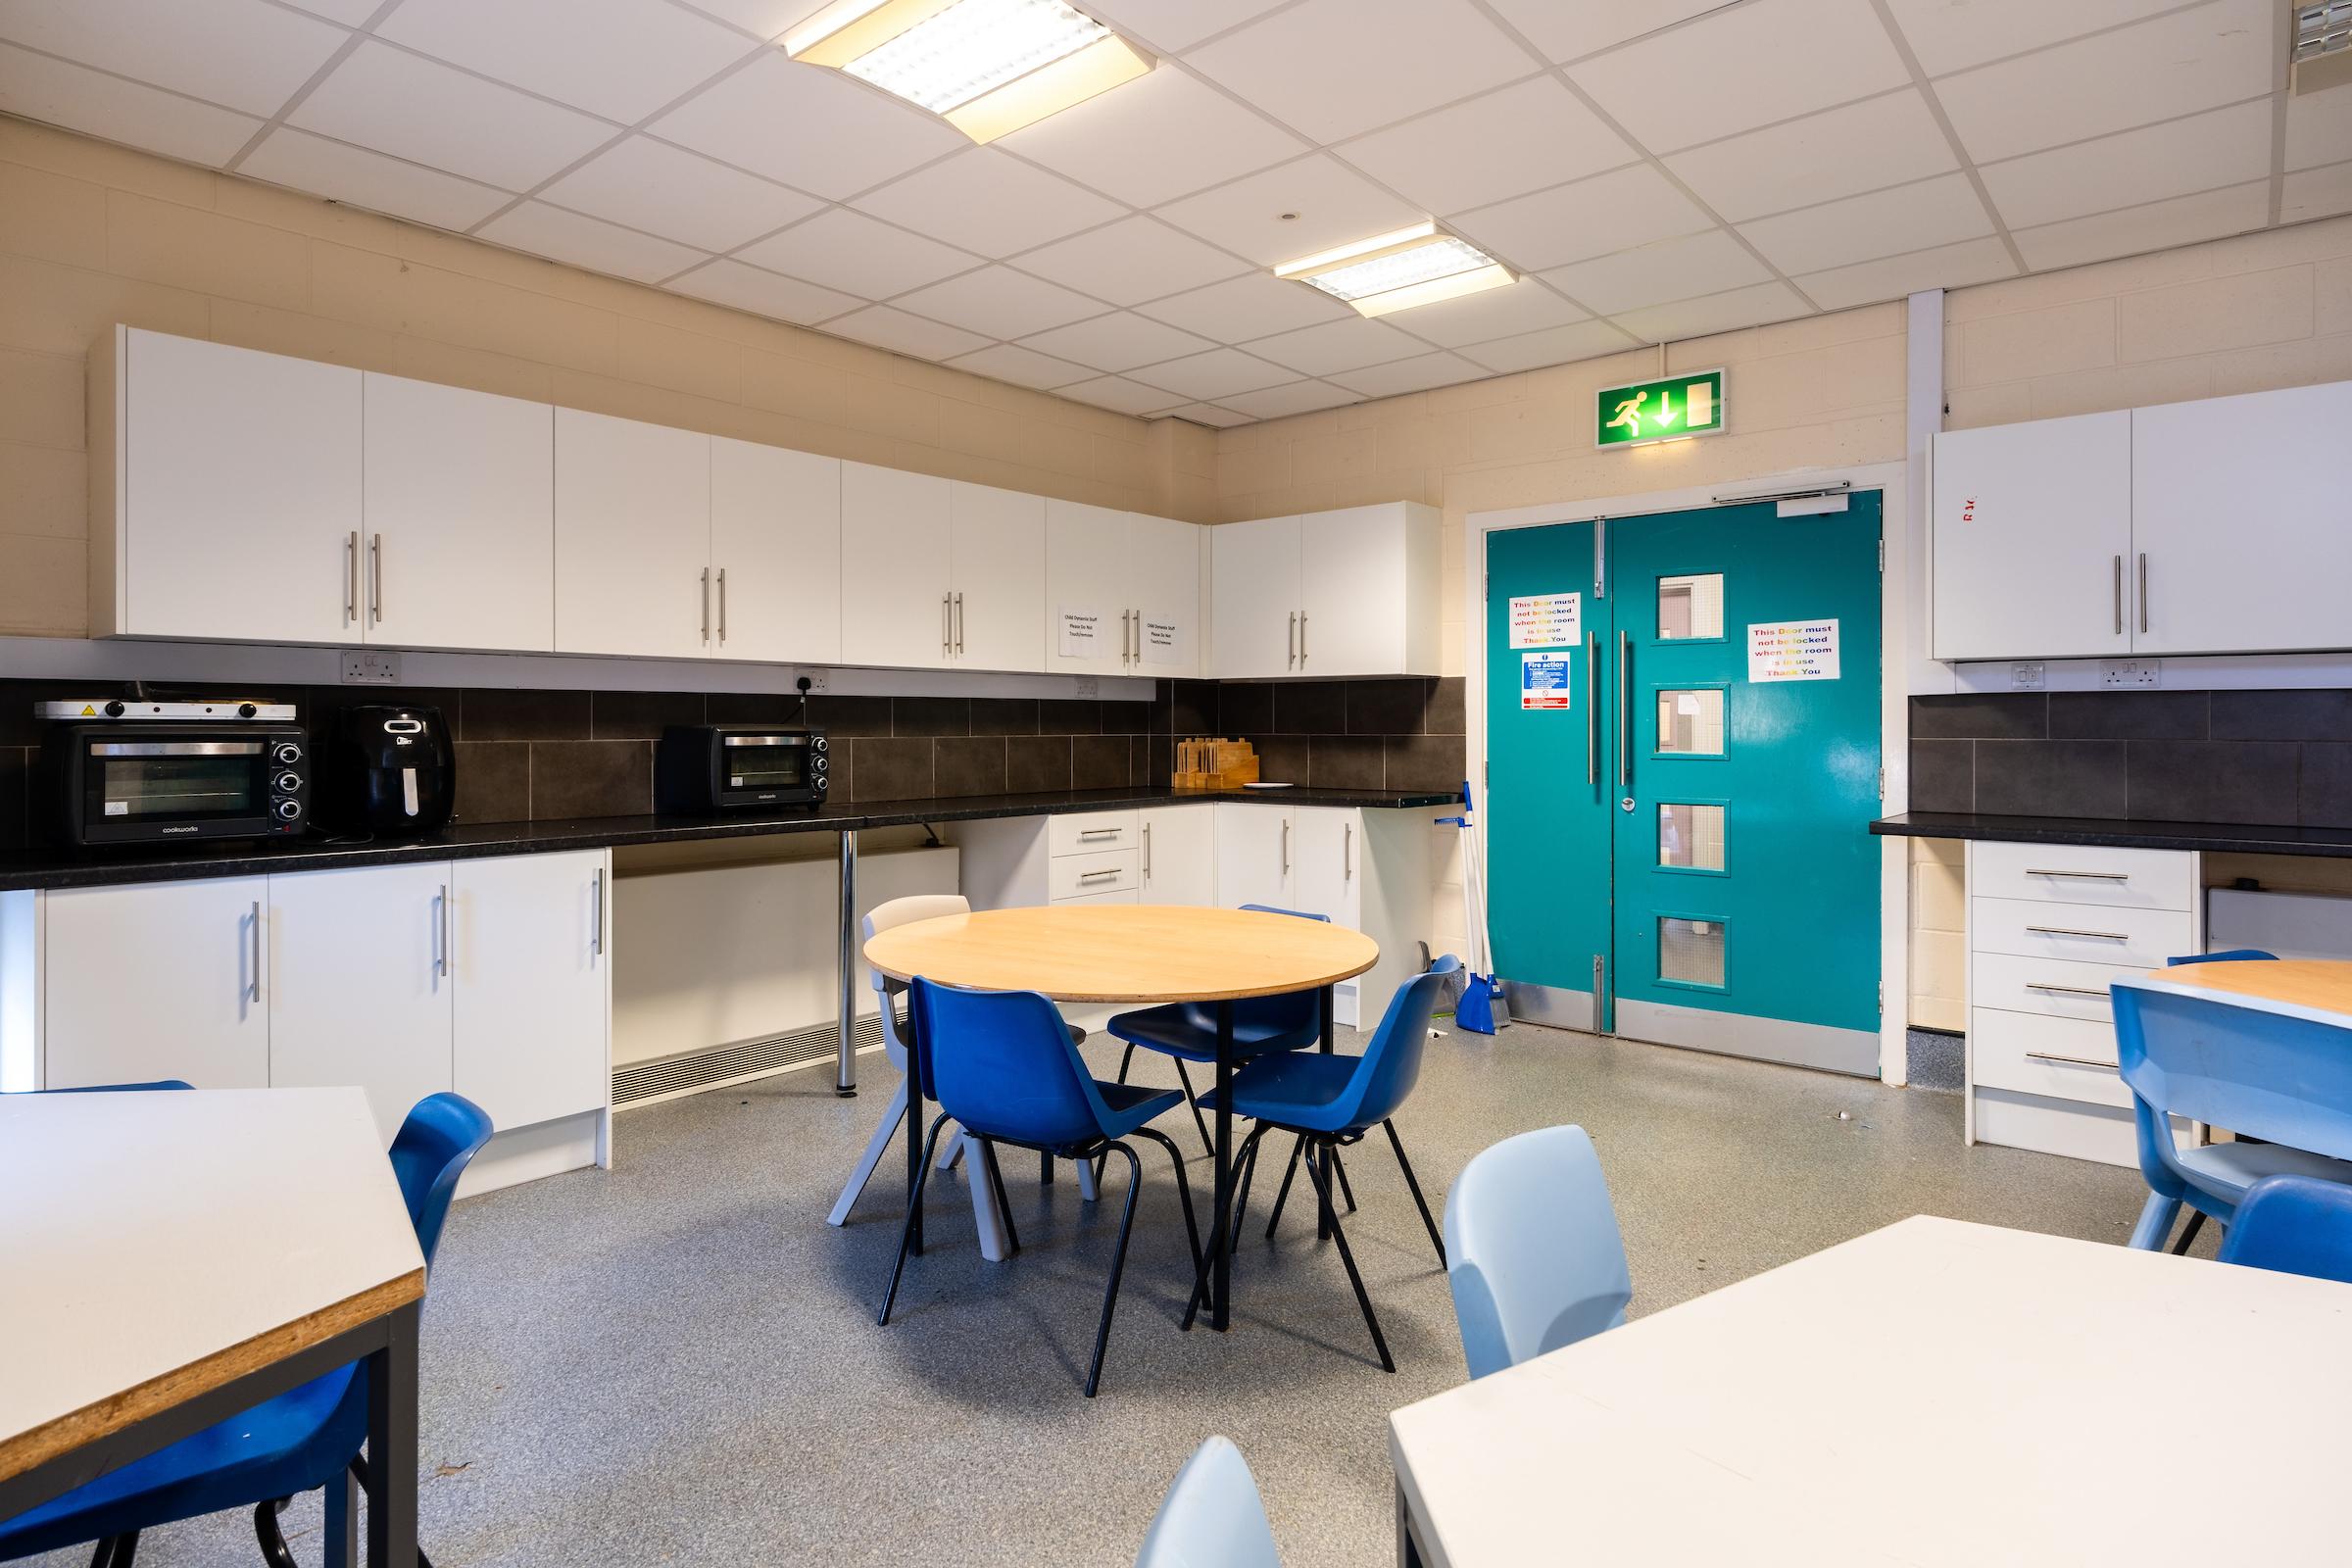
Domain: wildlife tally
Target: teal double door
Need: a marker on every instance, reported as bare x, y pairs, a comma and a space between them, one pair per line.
1683, 748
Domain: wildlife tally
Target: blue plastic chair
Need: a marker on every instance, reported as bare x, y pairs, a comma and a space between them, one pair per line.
1534, 1252
2294, 1225
1330, 1101
121, 1089
306, 1438
2230, 956
1212, 1516
1187, 1031
2268, 1070
1003, 1063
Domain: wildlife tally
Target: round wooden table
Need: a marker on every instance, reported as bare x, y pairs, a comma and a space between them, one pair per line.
1146, 954
2322, 983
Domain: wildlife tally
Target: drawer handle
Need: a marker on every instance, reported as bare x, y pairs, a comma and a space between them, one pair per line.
1096, 877
2070, 991
1102, 833
2070, 931
2087, 876
2073, 1061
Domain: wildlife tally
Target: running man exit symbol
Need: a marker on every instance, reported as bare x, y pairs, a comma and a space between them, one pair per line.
1660, 411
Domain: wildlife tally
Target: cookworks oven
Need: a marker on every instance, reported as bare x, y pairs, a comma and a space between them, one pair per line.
153, 772
724, 767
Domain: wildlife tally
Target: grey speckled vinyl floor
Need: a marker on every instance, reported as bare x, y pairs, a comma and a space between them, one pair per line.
677, 1361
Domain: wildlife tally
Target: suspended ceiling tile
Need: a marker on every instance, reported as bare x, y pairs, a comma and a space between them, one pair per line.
1131, 260
1298, 397
80, 99
1209, 414
361, 178
1213, 376
1401, 376
1947, 35
763, 19
378, 97
2318, 129
679, 195
1556, 345
1009, 362
350, 13
1738, 69
2222, 147
1175, 26
1593, 217
1001, 303
1120, 341
1753, 305
2173, 65
764, 293
811, 129
1256, 305
1892, 278
984, 201
588, 242
1567, 29
895, 329
1164, 137
1331, 205
239, 54
1527, 305
846, 250
1497, 145
1346, 345
1887, 141
1119, 395
2310, 193
1657, 273
621, 59
2159, 225
1925, 213
1335, 68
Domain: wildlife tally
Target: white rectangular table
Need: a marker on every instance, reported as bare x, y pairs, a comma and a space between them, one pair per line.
1933, 1394
169, 1259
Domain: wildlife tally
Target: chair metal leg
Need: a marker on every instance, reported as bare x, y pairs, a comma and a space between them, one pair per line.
275, 1551
1282, 1193
1240, 1197
2188, 1232
1380, 1341
1422, 1203
1193, 1104
996, 1179
875, 1148
1125, 1058
1119, 1266
1184, 1190
915, 1210
1044, 1170
952, 1151
1347, 1190
115, 1552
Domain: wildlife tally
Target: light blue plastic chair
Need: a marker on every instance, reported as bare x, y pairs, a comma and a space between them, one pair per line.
2294, 1225
1534, 1252
2228, 955
1212, 1516
2268, 1071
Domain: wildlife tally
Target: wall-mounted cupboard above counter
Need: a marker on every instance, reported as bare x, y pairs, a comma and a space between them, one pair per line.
2217, 526
250, 496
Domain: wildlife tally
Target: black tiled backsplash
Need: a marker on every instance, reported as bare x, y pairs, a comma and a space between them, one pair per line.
546, 754
2258, 758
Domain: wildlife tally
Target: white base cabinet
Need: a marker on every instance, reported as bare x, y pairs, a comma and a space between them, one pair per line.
529, 940
159, 980
1365, 869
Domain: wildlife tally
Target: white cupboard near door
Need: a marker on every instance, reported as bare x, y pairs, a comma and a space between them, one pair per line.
1254, 600
1324, 850
894, 532
1253, 854
2032, 539
458, 540
361, 984
632, 537
1163, 573
531, 977
998, 568
231, 505
157, 980
2241, 522
1088, 616
776, 554
1178, 850
1365, 869
1349, 591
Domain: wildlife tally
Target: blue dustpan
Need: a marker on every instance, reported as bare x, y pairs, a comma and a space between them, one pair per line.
1475, 1011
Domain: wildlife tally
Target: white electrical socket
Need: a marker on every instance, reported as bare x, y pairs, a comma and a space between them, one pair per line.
2025, 677
370, 668
818, 684
1089, 686
2116, 673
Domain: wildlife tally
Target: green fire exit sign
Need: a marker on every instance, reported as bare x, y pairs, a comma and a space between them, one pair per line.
1659, 411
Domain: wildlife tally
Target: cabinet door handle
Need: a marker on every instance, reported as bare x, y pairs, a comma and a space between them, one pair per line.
705, 603
2143, 590
947, 624
1302, 639
2073, 1061
2071, 931
1347, 851
959, 626
722, 606
1146, 852
1095, 876
2066, 990
1592, 708
1099, 833
2119, 596
1293, 643
255, 990
376, 577
596, 925
1625, 709
351, 577
1285, 848
441, 932
2087, 876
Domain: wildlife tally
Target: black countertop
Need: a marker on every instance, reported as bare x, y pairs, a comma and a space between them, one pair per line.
2243, 838
78, 868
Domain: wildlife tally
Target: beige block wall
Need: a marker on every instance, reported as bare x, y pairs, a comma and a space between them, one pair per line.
92, 234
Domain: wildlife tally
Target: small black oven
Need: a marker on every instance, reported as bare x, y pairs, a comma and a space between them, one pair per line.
725, 768
153, 777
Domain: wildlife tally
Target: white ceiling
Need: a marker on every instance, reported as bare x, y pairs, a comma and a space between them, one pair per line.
1657, 170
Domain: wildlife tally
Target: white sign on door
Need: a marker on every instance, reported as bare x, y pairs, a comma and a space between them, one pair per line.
1547, 620
1163, 642
1792, 650
1081, 633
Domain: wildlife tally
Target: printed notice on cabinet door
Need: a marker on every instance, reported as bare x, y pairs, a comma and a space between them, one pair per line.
1792, 650
1163, 642
1543, 683
1081, 633
1547, 621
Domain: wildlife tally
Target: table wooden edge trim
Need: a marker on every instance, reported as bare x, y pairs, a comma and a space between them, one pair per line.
38, 1445
1284, 989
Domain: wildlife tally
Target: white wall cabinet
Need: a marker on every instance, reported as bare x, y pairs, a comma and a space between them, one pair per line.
1177, 854
530, 966
998, 578
1349, 591
2032, 539
776, 554
896, 608
1253, 599
632, 537
458, 522
156, 980
1133, 582
1163, 574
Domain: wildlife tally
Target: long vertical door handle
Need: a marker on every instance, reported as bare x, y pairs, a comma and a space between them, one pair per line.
595, 928
722, 606
376, 577
1302, 639
441, 932
947, 624
2119, 596
1592, 708
1347, 851
2143, 590
958, 626
1294, 644
255, 990
1285, 847
351, 577
705, 603
1625, 709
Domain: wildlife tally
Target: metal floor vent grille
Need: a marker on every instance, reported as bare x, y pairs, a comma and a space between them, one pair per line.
700, 1069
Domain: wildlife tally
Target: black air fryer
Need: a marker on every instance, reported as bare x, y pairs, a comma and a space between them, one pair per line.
388, 771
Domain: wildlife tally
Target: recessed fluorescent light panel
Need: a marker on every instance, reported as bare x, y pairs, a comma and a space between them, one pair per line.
1417, 266
987, 67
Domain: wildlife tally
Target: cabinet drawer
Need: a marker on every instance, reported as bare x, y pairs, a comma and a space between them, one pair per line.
2065, 1059
1091, 831
2131, 939
1102, 872
1117, 896
2062, 988
2063, 873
